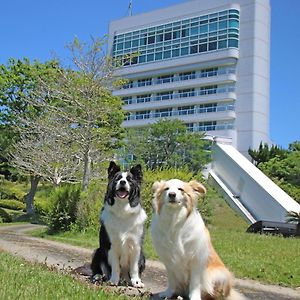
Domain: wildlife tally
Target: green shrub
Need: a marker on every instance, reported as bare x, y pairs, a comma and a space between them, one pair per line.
4, 216
63, 209
90, 204
80, 211
43, 205
12, 204
12, 190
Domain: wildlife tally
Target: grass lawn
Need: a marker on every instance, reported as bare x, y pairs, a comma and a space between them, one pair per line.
22, 280
269, 259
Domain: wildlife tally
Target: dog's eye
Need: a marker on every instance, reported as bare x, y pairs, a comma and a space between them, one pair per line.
181, 189
166, 189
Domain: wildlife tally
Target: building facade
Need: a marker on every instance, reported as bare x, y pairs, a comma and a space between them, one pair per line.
205, 62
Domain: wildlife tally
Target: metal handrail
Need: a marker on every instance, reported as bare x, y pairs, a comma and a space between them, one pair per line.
198, 110
209, 91
172, 78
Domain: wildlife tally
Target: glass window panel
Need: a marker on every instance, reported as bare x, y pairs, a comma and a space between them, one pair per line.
120, 46
194, 30
143, 41
234, 23
213, 27
160, 38
203, 48
142, 58
127, 45
194, 49
167, 54
203, 28
223, 18
158, 56
176, 34
135, 43
233, 43
151, 39
222, 25
175, 53
184, 32
222, 44
150, 57
184, 51
168, 36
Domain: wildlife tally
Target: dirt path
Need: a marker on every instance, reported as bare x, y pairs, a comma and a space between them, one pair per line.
69, 258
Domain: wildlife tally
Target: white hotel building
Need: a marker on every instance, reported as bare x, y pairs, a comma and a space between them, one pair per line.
205, 62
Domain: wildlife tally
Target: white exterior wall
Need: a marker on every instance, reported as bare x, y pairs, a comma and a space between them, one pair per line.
251, 95
263, 199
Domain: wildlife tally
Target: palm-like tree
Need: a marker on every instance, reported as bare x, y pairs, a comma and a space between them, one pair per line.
294, 217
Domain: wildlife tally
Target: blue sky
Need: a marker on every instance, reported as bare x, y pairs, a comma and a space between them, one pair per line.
38, 28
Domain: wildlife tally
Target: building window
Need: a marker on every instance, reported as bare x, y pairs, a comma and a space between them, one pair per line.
183, 37
187, 75
207, 126
208, 90
164, 112
205, 108
143, 98
140, 115
186, 93
127, 100
165, 79
186, 110
144, 82
164, 96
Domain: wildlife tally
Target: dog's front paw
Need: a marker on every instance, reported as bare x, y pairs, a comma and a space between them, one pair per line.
113, 281
137, 283
97, 278
166, 294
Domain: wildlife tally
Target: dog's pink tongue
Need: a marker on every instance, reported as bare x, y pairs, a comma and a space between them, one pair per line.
122, 194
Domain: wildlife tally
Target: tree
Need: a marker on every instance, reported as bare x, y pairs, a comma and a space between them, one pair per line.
295, 146
285, 172
264, 153
18, 80
81, 95
167, 143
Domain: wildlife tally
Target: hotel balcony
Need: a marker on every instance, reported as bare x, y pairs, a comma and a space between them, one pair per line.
218, 113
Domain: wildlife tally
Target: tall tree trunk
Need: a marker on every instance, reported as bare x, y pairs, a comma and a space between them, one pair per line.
34, 181
86, 171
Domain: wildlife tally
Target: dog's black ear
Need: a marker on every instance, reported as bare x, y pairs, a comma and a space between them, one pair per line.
112, 169
137, 173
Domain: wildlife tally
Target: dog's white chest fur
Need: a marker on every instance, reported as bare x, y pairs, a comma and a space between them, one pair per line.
179, 242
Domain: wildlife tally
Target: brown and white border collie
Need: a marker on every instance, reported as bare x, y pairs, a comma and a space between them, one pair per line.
183, 244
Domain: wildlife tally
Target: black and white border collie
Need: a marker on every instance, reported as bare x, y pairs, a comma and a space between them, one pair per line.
122, 219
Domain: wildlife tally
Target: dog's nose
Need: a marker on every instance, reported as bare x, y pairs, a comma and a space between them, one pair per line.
122, 182
172, 195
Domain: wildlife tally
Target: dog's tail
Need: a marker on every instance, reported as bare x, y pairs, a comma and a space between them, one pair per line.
218, 284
